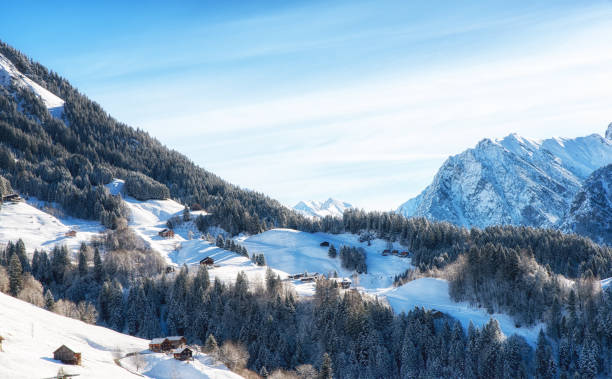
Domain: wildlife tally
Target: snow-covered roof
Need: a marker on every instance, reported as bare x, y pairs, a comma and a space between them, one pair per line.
157, 341
180, 350
175, 338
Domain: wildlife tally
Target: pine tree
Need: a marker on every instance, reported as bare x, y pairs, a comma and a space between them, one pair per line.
98, 268
326, 368
49, 300
332, 253
210, 346
82, 263
15, 273
20, 250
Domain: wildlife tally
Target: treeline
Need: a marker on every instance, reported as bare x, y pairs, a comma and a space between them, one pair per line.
101, 148
437, 244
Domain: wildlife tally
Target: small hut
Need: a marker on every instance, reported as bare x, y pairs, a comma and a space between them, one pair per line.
14, 198
404, 254
208, 261
183, 354
67, 356
71, 233
386, 252
324, 243
1, 339
166, 233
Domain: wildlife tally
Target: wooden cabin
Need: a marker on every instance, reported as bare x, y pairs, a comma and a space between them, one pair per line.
208, 261
183, 354
67, 356
404, 254
177, 341
71, 233
160, 345
386, 252
345, 283
14, 198
166, 233
1, 339
324, 244
308, 279
394, 252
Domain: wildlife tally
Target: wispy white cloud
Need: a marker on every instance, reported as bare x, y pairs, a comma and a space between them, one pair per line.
377, 139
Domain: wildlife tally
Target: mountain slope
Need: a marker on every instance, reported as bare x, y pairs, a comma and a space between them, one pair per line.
511, 181
330, 207
591, 210
66, 160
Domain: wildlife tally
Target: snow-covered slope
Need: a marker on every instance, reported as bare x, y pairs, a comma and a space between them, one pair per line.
330, 207
432, 293
511, 181
32, 334
39, 229
591, 210
9, 74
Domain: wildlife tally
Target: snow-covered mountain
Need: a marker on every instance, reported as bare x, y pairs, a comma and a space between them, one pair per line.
9, 74
514, 180
591, 210
330, 207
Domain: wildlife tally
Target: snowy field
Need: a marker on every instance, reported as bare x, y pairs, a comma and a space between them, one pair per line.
432, 293
32, 334
38, 229
163, 366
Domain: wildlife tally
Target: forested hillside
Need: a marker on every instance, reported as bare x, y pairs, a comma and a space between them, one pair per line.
65, 160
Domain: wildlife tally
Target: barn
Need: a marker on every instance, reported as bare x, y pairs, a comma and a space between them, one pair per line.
183, 354
208, 261
67, 356
177, 341
166, 233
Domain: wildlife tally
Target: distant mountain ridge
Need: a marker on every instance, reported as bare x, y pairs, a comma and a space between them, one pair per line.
591, 210
329, 207
514, 180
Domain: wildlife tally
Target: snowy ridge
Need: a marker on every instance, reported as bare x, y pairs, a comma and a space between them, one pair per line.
9, 74
514, 180
330, 207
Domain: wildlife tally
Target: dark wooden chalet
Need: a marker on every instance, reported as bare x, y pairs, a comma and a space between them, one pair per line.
208, 261
404, 254
71, 233
183, 354
324, 243
1, 339
166, 233
160, 345
394, 252
67, 356
386, 252
345, 283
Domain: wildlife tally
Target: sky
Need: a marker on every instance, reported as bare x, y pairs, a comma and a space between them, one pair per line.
361, 101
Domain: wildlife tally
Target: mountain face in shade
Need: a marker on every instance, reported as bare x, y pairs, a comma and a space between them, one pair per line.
330, 207
591, 211
514, 181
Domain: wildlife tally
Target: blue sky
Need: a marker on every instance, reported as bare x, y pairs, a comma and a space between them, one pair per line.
358, 100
